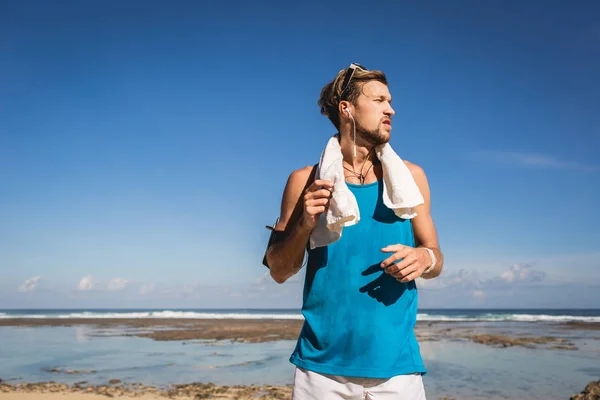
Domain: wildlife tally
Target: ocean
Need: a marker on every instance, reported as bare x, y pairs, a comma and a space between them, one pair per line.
457, 367
490, 315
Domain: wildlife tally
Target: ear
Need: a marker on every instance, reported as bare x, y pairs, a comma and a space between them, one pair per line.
342, 108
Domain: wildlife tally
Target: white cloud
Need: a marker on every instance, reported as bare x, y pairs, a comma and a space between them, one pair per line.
518, 274
147, 288
117, 284
507, 276
267, 281
479, 295
463, 279
86, 283
29, 285
521, 273
263, 279
260, 291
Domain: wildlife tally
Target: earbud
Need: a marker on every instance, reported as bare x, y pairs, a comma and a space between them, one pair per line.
348, 112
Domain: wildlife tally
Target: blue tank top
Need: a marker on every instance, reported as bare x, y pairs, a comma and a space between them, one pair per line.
358, 320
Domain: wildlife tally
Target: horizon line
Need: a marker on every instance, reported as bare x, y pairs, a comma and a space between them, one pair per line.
287, 309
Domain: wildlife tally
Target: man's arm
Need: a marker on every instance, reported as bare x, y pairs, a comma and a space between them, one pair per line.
423, 226
286, 253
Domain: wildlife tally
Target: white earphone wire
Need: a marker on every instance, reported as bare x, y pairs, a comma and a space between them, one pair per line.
354, 128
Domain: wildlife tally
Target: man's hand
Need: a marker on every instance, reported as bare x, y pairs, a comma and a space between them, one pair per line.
414, 262
316, 201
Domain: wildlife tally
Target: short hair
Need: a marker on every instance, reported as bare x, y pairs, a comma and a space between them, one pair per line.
330, 98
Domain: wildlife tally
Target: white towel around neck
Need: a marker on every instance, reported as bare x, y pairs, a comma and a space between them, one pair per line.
400, 191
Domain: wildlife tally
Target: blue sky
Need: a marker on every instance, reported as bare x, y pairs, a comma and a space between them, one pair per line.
144, 145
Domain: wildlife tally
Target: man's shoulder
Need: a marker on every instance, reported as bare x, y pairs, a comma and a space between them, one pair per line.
297, 183
301, 176
304, 172
419, 176
415, 170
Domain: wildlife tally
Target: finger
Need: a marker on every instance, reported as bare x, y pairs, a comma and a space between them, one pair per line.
405, 272
317, 202
410, 277
392, 248
407, 261
397, 272
323, 193
403, 252
390, 260
317, 184
316, 210
319, 193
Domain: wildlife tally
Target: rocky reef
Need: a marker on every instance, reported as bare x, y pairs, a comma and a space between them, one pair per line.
194, 391
591, 392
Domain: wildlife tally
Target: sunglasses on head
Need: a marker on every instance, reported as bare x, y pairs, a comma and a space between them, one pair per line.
348, 77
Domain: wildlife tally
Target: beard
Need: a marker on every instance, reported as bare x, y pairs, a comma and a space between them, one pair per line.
374, 137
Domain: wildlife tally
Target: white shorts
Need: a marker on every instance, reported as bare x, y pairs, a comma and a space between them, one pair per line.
310, 385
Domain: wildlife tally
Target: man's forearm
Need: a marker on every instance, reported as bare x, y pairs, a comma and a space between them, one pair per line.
285, 256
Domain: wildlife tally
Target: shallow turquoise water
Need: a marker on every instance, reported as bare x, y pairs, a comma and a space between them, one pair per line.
455, 367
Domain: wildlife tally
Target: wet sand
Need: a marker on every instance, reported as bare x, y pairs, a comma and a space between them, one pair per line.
592, 326
266, 330
239, 330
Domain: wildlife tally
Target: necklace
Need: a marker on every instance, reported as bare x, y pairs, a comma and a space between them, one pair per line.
361, 177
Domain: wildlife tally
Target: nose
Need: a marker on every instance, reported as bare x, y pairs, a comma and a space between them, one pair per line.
390, 111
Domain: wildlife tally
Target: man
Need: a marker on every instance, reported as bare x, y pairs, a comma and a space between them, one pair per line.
360, 297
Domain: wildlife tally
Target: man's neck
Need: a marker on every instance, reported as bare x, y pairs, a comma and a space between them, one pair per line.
364, 152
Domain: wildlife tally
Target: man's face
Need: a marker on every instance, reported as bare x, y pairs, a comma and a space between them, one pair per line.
373, 113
